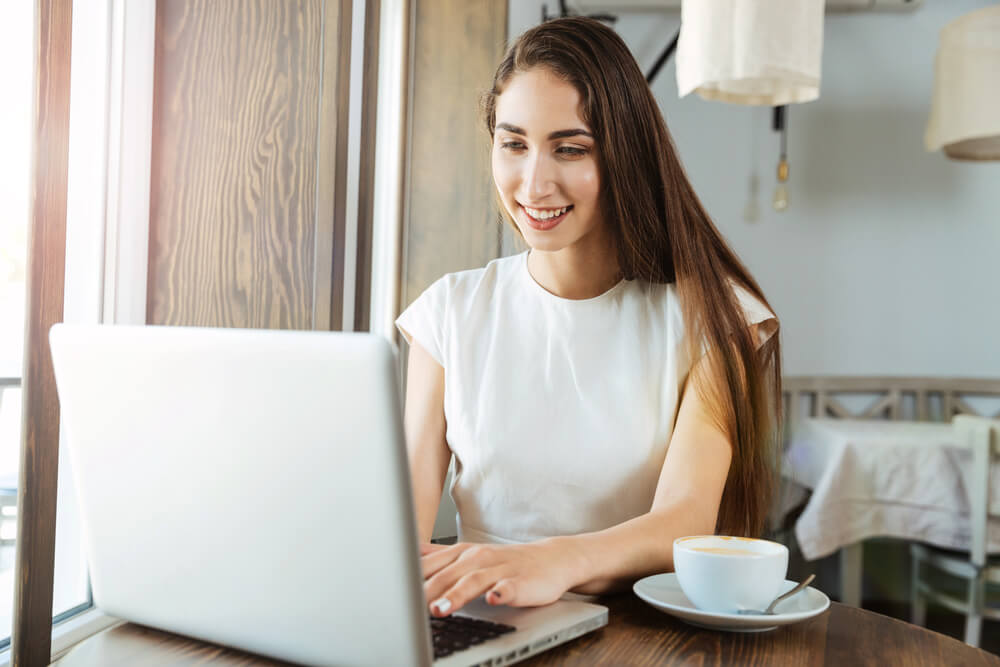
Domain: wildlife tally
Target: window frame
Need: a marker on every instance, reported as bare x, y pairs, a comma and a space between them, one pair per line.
98, 219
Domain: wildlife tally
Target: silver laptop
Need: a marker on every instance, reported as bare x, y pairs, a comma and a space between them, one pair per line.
250, 488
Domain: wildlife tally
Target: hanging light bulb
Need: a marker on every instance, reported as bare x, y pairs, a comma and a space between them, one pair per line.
780, 199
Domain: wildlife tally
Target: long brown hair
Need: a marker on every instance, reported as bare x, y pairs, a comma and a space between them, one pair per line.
664, 235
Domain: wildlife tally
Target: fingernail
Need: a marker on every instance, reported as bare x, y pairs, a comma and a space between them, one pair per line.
495, 594
441, 605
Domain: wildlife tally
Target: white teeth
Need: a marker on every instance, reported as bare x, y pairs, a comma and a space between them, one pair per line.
545, 215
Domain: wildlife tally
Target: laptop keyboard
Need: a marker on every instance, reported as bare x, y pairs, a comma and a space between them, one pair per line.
456, 633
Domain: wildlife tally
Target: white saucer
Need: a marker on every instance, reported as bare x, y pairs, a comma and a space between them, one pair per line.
664, 592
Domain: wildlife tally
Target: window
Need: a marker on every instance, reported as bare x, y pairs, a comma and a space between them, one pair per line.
106, 206
17, 47
98, 28
106, 241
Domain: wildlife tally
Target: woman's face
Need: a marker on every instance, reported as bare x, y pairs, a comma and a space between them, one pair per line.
545, 163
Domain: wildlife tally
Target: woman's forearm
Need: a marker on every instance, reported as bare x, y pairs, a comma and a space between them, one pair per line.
426, 504
611, 559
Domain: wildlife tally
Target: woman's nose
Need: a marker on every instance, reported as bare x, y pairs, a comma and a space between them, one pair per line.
538, 178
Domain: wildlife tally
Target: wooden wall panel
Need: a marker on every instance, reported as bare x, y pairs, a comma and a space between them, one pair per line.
451, 219
331, 183
366, 167
234, 162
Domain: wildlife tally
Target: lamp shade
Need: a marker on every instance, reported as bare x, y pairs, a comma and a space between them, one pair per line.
965, 107
759, 53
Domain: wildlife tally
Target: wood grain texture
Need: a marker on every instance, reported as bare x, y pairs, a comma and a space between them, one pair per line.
640, 635
129, 645
331, 186
366, 169
234, 163
450, 221
637, 634
36, 526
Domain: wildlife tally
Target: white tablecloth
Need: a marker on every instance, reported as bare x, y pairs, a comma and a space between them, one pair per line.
882, 478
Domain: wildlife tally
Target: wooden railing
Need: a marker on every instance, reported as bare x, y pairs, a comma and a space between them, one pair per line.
895, 398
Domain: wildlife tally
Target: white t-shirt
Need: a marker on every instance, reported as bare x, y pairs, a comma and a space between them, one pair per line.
558, 411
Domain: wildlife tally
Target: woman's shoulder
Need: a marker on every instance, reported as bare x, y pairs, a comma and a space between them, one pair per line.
482, 282
457, 297
754, 309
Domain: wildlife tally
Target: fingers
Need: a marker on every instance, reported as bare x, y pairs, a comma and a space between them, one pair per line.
461, 573
434, 561
445, 599
429, 548
503, 592
479, 554
443, 569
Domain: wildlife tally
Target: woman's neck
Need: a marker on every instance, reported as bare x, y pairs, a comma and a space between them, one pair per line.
575, 275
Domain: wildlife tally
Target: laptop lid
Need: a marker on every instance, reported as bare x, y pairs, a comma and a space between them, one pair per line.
246, 487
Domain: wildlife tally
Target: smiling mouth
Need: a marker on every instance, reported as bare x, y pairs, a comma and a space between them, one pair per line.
545, 218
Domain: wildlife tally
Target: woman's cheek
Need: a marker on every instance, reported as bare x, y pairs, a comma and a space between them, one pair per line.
505, 179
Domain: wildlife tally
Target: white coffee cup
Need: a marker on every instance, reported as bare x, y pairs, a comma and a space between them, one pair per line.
724, 574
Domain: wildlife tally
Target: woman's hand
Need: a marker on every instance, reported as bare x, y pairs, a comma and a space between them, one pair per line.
520, 575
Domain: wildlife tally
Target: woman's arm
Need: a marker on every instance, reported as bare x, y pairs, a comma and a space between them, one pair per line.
686, 502
424, 423
687, 498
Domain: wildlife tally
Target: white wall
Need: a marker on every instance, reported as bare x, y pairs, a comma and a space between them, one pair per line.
888, 258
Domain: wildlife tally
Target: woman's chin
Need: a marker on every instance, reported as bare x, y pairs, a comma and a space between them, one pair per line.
544, 245
541, 241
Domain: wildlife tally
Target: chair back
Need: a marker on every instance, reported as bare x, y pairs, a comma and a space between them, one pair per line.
894, 398
981, 436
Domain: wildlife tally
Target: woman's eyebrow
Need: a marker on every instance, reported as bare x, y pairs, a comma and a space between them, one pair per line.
558, 134
562, 134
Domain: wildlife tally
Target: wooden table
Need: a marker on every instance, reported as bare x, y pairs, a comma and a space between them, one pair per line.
636, 635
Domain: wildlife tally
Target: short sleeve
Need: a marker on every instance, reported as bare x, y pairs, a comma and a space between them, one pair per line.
756, 313
424, 320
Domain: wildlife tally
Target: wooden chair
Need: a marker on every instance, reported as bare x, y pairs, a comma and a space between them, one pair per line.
981, 436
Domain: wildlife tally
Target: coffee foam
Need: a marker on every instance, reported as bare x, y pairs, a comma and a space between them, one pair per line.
725, 551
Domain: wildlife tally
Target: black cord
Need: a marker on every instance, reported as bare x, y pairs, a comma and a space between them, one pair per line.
779, 123
778, 119
664, 57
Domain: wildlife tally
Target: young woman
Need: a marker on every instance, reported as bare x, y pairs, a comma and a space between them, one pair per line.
614, 387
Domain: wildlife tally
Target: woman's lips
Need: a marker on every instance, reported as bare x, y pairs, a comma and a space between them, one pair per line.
546, 224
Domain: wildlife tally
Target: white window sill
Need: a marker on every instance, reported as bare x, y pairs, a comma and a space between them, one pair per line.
72, 631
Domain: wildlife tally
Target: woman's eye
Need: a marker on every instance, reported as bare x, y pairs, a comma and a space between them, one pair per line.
511, 145
571, 151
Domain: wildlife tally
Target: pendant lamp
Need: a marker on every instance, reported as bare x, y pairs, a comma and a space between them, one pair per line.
766, 52
965, 107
